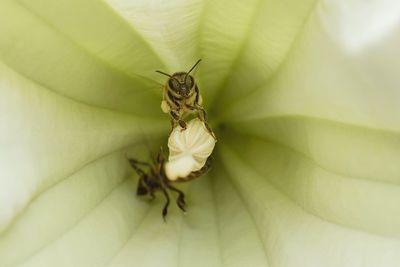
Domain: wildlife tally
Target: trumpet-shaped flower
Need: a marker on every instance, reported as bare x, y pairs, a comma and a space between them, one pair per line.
302, 94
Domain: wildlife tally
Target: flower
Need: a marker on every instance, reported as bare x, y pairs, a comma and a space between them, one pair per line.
303, 96
188, 150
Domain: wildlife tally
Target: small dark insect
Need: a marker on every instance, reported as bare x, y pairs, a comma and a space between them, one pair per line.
180, 96
155, 179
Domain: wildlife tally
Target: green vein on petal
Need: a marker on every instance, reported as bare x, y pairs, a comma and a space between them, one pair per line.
223, 32
337, 198
76, 196
196, 239
239, 230
34, 48
170, 27
344, 149
52, 137
200, 231
307, 168
101, 32
258, 50
192, 237
294, 237
99, 235
195, 233
324, 78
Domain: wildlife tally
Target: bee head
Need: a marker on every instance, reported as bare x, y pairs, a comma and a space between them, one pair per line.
181, 83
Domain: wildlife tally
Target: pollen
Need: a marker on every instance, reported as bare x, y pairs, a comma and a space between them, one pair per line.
188, 149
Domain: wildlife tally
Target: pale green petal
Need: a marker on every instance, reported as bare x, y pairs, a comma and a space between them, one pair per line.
96, 28
59, 57
171, 28
306, 170
46, 138
246, 41
310, 217
359, 152
324, 77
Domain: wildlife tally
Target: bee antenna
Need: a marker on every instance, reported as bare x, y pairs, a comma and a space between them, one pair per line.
194, 66
166, 74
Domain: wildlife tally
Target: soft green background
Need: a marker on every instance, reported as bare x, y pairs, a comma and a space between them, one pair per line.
304, 96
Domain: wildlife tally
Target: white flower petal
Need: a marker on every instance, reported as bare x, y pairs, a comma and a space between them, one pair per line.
194, 144
180, 167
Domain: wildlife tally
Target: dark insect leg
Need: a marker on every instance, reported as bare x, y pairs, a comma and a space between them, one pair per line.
181, 197
138, 162
203, 117
182, 123
196, 89
201, 113
195, 174
204, 169
134, 163
165, 209
141, 189
177, 119
161, 156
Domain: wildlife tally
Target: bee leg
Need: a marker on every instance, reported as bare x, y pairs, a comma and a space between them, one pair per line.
165, 209
201, 113
141, 189
177, 119
209, 130
134, 163
181, 197
202, 171
138, 162
203, 117
182, 124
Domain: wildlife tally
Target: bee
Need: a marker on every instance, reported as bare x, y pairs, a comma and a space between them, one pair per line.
181, 96
155, 179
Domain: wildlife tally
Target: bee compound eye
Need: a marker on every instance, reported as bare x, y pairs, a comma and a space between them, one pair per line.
189, 81
173, 84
